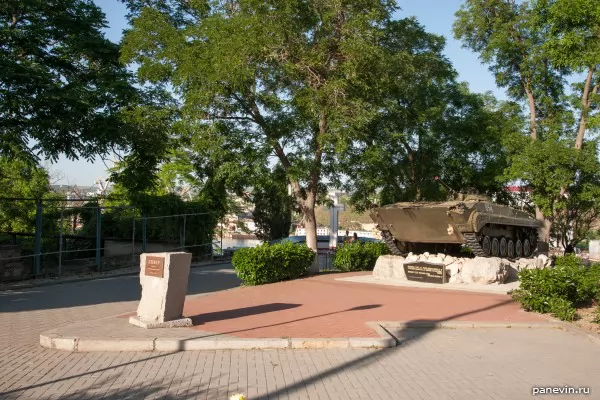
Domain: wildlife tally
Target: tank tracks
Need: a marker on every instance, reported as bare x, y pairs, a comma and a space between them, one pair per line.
473, 243
391, 243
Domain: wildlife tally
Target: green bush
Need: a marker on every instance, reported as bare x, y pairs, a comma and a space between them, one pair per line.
272, 263
559, 290
596, 319
358, 256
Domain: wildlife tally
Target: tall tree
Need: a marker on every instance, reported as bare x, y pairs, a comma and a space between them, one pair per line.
292, 77
61, 83
429, 125
531, 48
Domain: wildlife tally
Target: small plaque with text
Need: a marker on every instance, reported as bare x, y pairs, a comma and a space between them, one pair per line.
425, 272
155, 266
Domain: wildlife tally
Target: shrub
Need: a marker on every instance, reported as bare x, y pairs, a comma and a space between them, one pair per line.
597, 315
358, 256
559, 290
272, 263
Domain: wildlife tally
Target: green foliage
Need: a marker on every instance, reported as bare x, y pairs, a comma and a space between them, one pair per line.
62, 84
597, 315
22, 179
358, 256
297, 80
272, 206
559, 290
272, 263
533, 48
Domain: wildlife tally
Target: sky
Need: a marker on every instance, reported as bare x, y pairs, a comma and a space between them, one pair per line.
436, 16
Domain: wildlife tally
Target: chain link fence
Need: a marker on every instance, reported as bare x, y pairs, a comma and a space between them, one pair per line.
58, 237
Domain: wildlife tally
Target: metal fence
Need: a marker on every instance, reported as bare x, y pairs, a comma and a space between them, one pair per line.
54, 238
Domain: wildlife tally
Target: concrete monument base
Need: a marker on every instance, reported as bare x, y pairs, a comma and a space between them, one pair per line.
176, 323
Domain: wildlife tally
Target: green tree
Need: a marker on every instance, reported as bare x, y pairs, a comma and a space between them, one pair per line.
429, 125
62, 86
292, 78
272, 205
20, 179
532, 48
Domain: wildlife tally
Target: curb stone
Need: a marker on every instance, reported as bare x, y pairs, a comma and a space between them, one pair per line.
53, 340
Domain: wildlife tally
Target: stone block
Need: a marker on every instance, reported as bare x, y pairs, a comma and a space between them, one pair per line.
164, 280
389, 266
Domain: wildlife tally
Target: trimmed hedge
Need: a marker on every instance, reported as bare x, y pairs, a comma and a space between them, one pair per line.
272, 263
559, 290
358, 256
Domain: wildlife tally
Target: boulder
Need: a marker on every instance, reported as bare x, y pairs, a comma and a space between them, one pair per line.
412, 257
389, 266
435, 260
449, 260
483, 270
542, 261
442, 256
453, 270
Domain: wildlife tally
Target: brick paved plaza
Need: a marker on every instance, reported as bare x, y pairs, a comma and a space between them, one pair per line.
427, 364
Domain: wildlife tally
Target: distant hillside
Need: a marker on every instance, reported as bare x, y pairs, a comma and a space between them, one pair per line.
347, 219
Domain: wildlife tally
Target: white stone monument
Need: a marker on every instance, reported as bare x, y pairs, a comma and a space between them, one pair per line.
595, 249
333, 218
164, 280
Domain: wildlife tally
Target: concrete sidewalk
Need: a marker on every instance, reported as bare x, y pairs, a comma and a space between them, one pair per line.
316, 312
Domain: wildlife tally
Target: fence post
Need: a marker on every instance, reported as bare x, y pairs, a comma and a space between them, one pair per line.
144, 226
133, 240
38, 238
99, 238
60, 240
183, 233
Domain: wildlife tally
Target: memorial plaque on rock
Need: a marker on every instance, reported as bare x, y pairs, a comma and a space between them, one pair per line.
155, 266
425, 272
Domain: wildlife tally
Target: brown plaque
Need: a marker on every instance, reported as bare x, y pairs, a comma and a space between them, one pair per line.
425, 272
155, 266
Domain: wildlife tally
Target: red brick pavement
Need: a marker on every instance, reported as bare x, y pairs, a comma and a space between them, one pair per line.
323, 307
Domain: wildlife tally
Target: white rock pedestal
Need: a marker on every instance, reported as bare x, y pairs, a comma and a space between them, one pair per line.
164, 280
594, 250
478, 270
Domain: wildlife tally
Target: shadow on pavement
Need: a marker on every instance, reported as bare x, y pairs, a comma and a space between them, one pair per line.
204, 279
98, 391
410, 333
241, 312
358, 308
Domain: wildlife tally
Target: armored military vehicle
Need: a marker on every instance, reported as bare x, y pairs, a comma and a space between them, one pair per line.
468, 220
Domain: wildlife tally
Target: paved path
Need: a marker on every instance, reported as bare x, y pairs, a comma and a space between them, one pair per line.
439, 364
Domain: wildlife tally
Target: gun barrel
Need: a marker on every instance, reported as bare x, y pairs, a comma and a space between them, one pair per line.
444, 184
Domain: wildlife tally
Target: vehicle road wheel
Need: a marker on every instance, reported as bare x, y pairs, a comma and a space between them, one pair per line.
486, 245
510, 249
518, 249
526, 248
503, 247
495, 247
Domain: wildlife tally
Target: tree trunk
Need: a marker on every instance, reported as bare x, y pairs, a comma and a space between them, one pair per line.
585, 107
544, 231
310, 222
413, 171
532, 118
